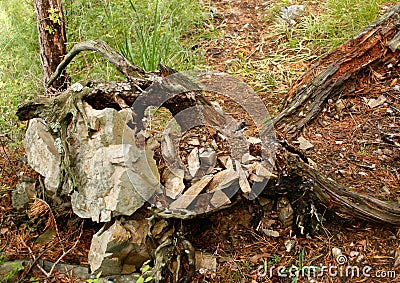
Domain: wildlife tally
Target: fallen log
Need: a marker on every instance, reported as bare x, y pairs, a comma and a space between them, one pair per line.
335, 73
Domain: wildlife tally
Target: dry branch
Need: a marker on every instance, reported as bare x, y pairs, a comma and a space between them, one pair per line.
120, 63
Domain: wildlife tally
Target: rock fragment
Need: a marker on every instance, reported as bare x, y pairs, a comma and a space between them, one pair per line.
174, 185
207, 160
291, 13
120, 248
194, 162
191, 193
42, 154
304, 144
23, 194
373, 103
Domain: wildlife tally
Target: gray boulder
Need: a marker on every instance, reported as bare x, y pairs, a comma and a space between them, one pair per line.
114, 176
120, 248
42, 154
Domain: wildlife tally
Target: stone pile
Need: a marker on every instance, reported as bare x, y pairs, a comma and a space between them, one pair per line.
110, 178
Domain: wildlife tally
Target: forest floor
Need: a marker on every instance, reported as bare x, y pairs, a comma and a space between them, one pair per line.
357, 149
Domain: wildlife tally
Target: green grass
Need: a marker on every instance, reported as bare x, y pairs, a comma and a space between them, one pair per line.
156, 33
95, 19
20, 72
326, 24
342, 20
323, 26
108, 20
147, 33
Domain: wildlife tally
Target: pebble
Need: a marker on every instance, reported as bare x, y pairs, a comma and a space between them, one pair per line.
373, 103
271, 233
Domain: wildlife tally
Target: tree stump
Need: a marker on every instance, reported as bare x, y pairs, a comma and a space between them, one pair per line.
371, 55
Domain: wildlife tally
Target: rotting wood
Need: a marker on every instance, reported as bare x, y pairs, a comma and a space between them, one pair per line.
342, 200
334, 73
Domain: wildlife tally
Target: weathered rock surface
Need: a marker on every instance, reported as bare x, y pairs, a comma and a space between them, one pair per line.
116, 177
42, 154
194, 162
23, 194
174, 185
243, 182
120, 248
207, 158
223, 179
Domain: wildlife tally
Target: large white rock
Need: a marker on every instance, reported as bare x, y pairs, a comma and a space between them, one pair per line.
110, 176
114, 176
42, 154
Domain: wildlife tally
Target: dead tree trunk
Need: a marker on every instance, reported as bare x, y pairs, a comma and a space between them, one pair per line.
334, 74
377, 45
52, 38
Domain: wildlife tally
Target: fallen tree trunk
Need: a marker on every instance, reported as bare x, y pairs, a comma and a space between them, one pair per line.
334, 74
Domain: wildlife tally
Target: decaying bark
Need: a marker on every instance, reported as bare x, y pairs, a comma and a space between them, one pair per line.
331, 76
344, 201
335, 73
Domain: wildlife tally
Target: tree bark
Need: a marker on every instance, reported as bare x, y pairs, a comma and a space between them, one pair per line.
52, 38
335, 73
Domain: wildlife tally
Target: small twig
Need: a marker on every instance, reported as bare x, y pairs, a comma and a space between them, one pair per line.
35, 259
66, 252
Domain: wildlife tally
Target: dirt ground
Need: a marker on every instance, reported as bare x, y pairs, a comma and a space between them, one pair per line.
359, 149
